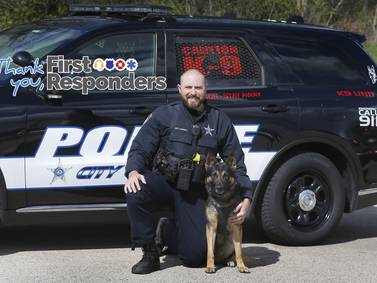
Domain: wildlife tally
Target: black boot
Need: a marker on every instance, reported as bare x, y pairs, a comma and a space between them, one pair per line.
150, 261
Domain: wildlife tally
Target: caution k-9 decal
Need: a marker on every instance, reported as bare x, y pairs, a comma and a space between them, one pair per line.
100, 160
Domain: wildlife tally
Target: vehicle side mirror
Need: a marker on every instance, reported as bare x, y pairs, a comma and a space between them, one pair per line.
23, 58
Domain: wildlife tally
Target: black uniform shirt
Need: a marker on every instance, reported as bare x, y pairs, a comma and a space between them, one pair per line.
170, 127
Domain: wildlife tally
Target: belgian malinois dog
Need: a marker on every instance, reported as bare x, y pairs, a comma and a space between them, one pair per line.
223, 238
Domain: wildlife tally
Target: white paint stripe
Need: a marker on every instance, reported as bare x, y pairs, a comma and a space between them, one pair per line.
40, 170
14, 172
256, 162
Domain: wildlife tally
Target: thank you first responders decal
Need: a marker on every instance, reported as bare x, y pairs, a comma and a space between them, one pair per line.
57, 73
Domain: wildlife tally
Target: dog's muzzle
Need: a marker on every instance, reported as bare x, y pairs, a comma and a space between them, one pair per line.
219, 191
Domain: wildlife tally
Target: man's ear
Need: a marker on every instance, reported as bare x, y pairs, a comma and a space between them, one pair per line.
179, 88
210, 159
232, 162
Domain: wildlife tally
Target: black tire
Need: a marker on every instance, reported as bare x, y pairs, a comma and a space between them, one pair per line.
286, 214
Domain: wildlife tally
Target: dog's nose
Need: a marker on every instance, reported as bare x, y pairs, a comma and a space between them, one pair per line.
219, 190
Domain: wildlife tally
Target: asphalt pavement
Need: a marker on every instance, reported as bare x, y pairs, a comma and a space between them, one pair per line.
102, 253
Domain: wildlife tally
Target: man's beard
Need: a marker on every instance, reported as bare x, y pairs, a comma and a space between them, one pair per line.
193, 102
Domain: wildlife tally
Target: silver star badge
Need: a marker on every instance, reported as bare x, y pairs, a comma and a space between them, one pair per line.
208, 130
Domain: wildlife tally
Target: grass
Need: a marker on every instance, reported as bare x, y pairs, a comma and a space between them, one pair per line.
372, 49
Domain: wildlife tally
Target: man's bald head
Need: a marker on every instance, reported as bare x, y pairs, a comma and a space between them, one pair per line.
193, 74
193, 89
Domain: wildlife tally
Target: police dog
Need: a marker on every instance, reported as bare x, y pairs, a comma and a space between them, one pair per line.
223, 238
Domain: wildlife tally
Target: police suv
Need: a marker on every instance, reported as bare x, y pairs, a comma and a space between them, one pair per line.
303, 100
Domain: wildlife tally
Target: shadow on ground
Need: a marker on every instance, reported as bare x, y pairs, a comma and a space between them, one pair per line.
360, 224
253, 256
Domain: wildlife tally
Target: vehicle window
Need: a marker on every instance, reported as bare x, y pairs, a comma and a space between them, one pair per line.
226, 62
319, 62
141, 47
38, 40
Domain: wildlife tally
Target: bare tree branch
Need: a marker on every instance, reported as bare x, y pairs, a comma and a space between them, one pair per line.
334, 11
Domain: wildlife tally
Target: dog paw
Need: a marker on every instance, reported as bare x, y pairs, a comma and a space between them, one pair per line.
210, 269
231, 263
243, 269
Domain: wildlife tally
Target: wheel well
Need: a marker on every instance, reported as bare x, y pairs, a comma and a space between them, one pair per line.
333, 154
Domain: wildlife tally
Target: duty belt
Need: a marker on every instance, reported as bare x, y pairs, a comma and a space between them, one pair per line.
177, 171
181, 172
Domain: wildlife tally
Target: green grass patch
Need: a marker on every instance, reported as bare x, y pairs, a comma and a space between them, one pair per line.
372, 49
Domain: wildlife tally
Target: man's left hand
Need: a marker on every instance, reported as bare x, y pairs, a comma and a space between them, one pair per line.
240, 212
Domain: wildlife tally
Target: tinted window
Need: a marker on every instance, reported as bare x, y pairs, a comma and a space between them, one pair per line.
38, 40
225, 62
141, 47
318, 63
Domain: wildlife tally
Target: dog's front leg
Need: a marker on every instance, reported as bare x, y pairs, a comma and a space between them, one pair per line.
211, 228
237, 242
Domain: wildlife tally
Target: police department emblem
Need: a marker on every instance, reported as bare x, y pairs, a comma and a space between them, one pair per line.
59, 172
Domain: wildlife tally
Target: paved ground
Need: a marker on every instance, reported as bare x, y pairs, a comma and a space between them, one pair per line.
102, 254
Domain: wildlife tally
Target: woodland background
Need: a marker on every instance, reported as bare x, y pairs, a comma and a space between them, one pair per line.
352, 15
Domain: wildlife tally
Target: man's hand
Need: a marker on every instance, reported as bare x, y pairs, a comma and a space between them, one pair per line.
240, 212
132, 185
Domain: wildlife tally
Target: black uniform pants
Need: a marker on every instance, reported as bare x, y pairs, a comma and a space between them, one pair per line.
186, 237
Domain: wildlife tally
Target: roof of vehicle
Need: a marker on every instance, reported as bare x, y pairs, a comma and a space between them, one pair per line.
263, 24
89, 23
86, 23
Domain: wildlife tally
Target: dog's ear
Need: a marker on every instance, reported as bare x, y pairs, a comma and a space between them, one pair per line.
232, 162
210, 159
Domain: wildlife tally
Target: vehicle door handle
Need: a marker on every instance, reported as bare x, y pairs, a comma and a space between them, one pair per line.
275, 108
141, 110
21, 133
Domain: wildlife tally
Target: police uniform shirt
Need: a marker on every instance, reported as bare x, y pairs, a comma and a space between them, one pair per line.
170, 128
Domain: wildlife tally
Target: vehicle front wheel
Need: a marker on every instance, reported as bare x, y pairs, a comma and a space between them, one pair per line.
304, 200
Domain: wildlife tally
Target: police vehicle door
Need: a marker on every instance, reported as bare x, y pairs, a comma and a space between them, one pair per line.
79, 150
246, 83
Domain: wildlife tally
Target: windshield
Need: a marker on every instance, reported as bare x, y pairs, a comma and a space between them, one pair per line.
38, 40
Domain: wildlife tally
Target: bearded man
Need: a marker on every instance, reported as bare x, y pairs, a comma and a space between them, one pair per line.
179, 131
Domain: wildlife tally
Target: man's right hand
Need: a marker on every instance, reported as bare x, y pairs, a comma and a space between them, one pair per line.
132, 185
